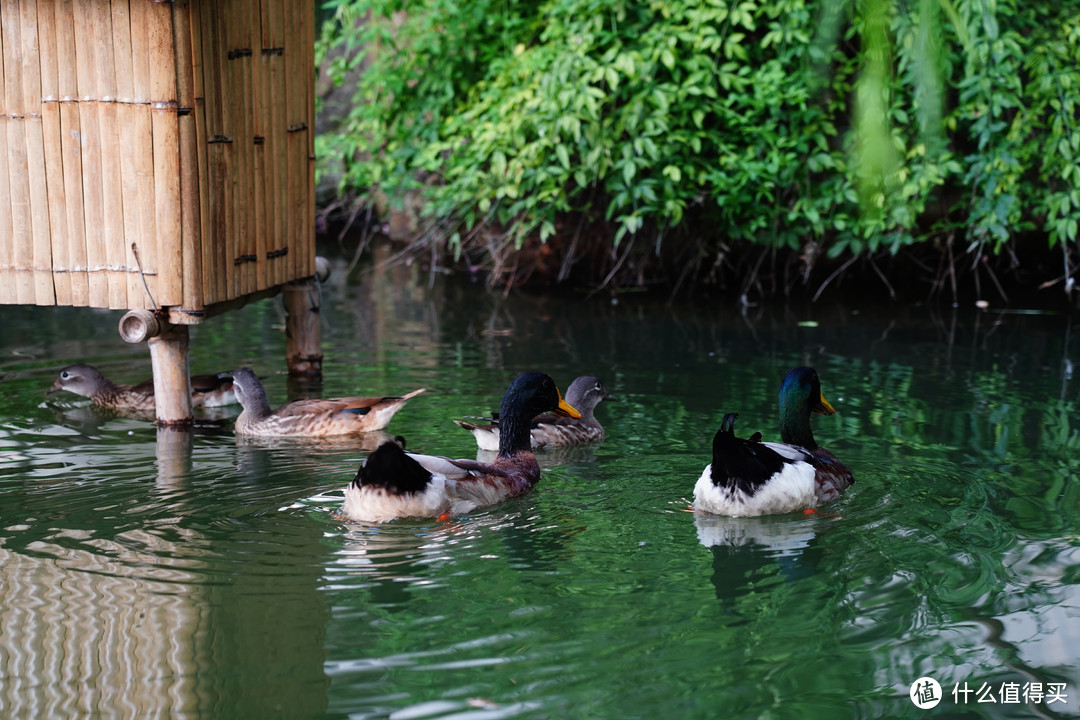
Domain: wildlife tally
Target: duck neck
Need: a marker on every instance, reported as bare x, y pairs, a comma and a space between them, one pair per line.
109, 391
795, 428
513, 432
257, 406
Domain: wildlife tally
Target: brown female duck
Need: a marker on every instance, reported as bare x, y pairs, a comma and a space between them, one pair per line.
393, 484
86, 380
310, 417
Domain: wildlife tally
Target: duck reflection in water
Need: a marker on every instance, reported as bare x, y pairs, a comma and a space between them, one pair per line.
749, 551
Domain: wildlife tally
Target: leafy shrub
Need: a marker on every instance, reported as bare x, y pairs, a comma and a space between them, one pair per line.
788, 124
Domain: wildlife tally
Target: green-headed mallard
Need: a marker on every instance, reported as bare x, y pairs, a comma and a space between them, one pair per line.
394, 484
750, 477
310, 417
552, 429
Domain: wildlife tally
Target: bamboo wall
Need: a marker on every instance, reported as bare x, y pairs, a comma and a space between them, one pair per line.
155, 154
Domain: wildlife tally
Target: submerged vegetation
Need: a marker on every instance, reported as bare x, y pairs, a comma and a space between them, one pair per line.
759, 144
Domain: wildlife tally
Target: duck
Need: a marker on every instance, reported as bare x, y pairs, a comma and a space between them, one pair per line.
551, 429
750, 477
86, 380
393, 483
310, 417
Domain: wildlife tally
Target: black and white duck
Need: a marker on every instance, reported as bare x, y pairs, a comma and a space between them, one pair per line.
395, 484
751, 477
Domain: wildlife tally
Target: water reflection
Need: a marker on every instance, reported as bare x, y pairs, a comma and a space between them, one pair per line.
92, 623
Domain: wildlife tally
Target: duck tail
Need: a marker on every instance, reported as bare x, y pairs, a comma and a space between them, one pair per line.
391, 468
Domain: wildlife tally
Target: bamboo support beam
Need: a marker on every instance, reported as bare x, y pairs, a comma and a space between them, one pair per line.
172, 379
303, 332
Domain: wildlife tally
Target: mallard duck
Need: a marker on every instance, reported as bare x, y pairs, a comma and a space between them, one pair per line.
86, 380
750, 477
393, 484
551, 429
310, 417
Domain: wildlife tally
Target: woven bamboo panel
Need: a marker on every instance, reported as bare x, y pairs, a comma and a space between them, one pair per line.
155, 154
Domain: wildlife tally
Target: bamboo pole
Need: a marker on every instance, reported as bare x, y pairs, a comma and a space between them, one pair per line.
245, 143
309, 233
214, 244
172, 381
18, 184
109, 139
71, 149
126, 111
262, 101
190, 227
90, 147
274, 32
303, 333
169, 285
296, 107
35, 154
7, 255
142, 129
227, 146
233, 106
205, 230
54, 158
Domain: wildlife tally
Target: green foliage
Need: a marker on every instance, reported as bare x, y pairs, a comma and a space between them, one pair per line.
863, 129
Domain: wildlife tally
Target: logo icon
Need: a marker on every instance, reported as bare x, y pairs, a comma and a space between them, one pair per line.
925, 693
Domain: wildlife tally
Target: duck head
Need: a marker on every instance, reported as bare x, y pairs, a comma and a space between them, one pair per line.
249, 390
529, 395
800, 394
585, 393
80, 379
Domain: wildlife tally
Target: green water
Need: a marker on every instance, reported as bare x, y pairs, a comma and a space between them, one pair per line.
198, 577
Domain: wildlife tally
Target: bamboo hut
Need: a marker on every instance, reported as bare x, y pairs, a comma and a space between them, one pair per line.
156, 157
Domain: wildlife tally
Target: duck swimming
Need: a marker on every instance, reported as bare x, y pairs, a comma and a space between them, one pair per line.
750, 477
552, 429
394, 484
310, 417
87, 380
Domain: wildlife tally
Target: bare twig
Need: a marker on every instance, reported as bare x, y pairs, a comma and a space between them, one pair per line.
892, 293
834, 275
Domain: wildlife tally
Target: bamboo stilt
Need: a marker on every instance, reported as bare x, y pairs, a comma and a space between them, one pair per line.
173, 450
303, 333
172, 380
